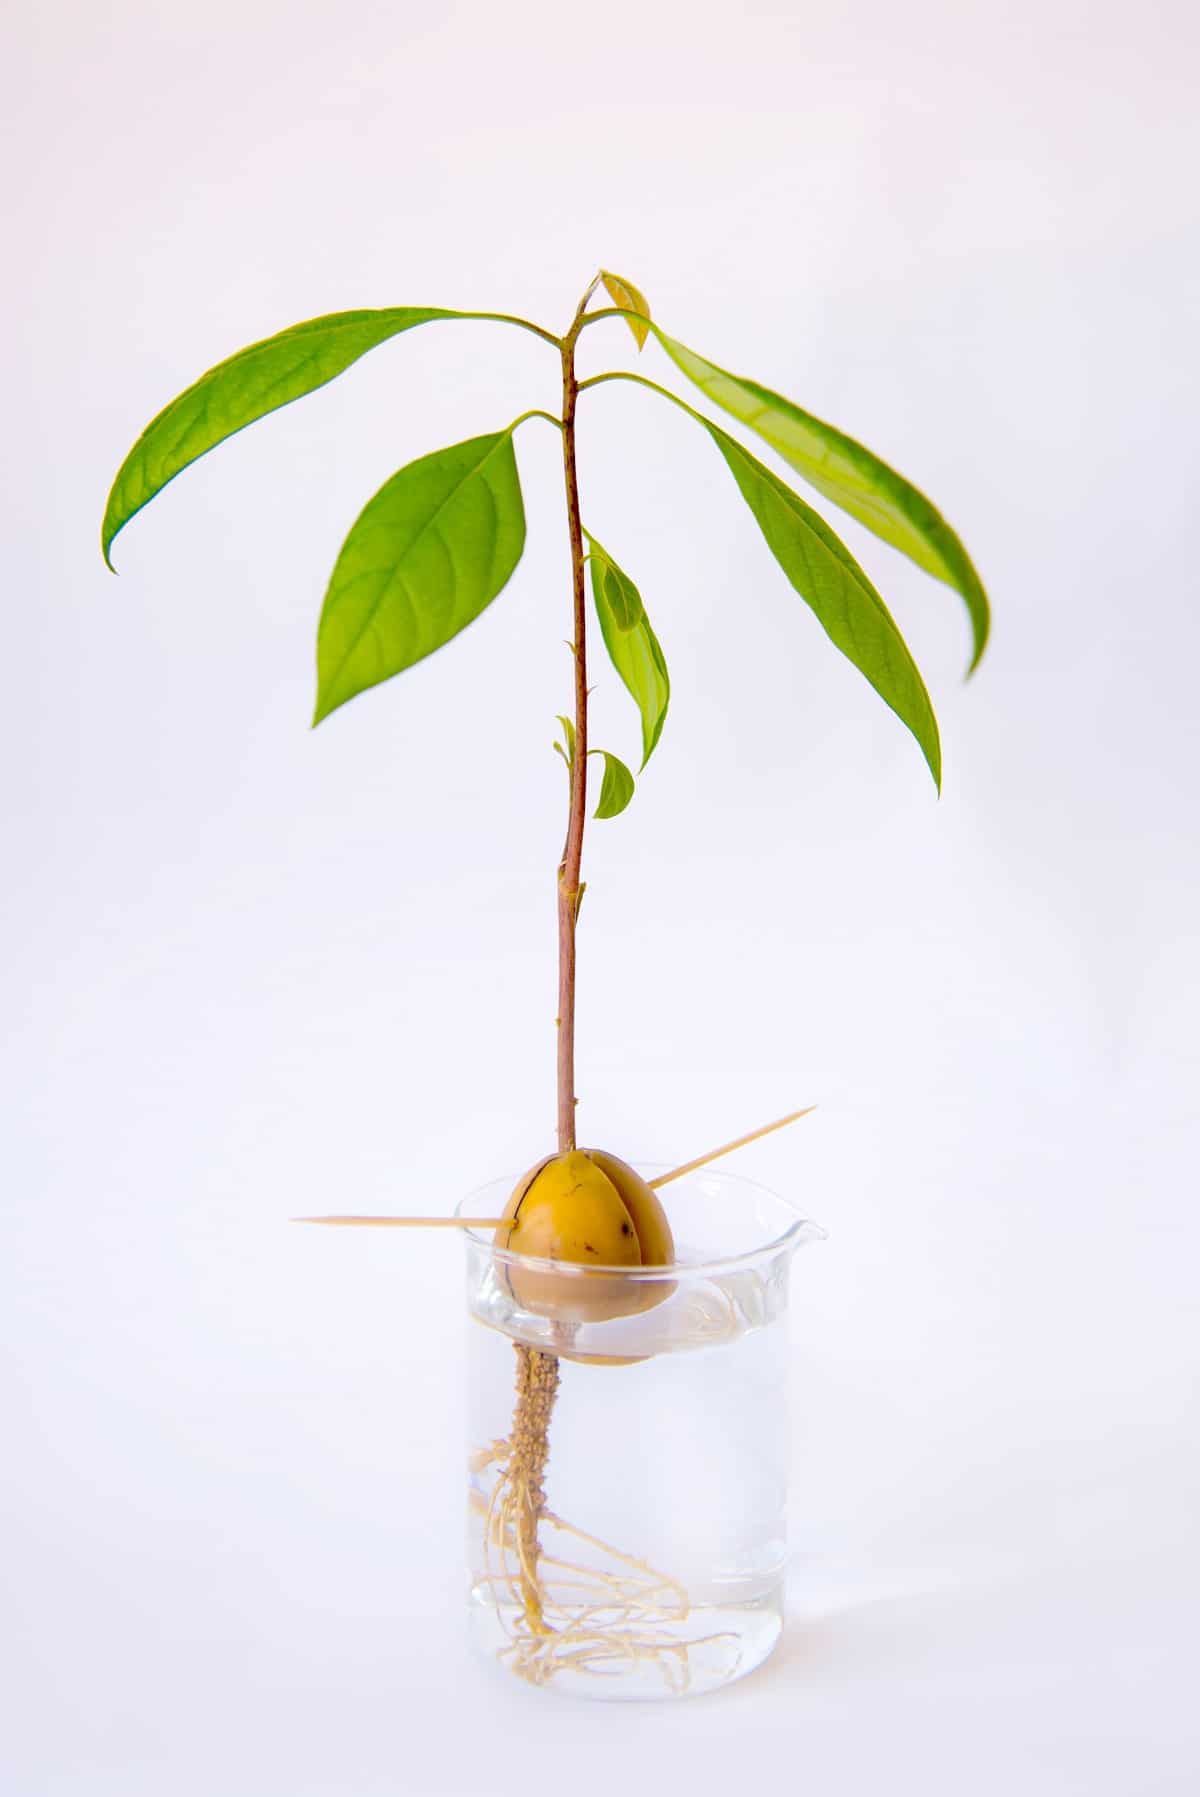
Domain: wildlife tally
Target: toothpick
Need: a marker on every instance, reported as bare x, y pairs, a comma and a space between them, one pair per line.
728, 1148
496, 1222
408, 1222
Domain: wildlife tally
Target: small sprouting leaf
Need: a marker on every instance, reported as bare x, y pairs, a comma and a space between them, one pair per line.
616, 788
633, 647
245, 387
828, 578
849, 474
623, 293
425, 556
568, 754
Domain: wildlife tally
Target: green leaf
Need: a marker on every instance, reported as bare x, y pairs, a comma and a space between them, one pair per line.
616, 591
616, 789
425, 556
850, 475
568, 754
632, 645
252, 383
242, 389
623, 293
828, 578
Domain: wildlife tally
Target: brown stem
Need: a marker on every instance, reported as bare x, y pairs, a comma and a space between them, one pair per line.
537, 1371
570, 888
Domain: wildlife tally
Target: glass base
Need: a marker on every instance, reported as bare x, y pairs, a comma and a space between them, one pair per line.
711, 1646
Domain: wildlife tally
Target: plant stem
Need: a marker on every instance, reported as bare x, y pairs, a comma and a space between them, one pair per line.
537, 1369
570, 889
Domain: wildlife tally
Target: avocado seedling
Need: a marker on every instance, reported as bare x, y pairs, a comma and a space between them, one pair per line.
429, 552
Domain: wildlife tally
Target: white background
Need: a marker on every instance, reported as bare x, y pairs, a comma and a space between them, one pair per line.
253, 971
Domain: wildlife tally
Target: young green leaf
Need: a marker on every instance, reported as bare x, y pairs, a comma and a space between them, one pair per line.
632, 645
849, 474
616, 789
568, 754
250, 384
620, 597
828, 578
425, 556
624, 294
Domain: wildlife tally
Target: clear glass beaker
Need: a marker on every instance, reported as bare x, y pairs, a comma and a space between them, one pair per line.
628, 1449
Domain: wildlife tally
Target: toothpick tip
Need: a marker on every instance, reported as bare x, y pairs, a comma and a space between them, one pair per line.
406, 1222
728, 1147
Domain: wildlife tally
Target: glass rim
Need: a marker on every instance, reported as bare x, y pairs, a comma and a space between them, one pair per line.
799, 1232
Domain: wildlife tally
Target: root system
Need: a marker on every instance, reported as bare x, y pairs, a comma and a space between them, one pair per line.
568, 1601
